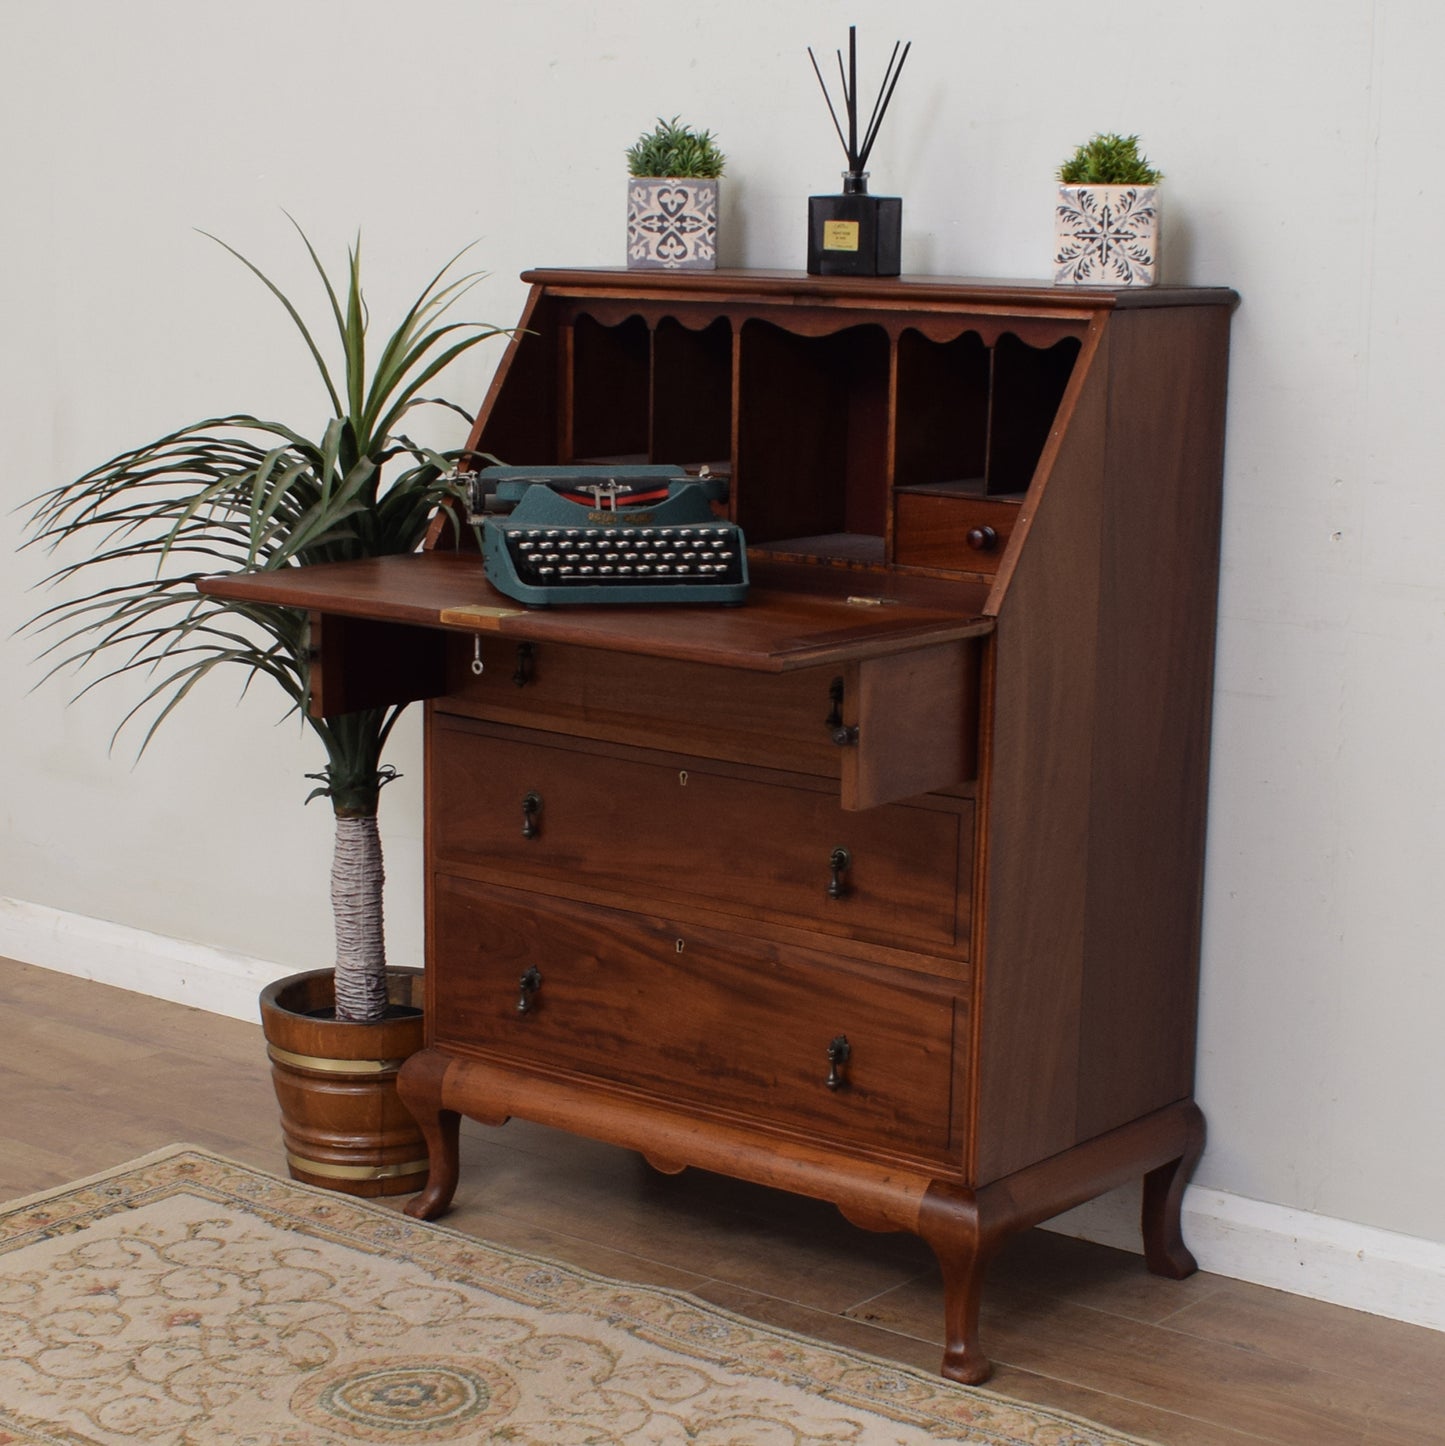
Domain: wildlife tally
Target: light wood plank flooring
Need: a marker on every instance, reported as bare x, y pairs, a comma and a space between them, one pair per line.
92, 1076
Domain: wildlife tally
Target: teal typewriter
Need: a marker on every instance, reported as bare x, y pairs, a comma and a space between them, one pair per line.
606, 535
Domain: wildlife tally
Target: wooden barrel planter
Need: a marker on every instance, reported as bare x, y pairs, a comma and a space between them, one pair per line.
344, 1125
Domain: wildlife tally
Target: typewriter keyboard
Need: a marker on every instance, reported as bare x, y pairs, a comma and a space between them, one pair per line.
592, 556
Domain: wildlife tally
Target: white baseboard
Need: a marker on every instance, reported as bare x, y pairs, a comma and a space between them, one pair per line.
1360, 1266
116, 954
1400, 1276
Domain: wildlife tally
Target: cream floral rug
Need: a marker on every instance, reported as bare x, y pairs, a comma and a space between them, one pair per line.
184, 1300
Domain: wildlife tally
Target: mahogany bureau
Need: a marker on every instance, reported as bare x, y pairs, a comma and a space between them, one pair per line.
883, 887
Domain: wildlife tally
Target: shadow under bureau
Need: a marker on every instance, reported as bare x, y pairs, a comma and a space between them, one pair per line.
883, 887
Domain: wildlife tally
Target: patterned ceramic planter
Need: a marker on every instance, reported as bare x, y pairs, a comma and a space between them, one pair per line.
1107, 235
672, 223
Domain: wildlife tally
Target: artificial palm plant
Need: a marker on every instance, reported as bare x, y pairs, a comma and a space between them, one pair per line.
239, 493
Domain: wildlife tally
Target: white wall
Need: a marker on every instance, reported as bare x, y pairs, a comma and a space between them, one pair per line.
1297, 138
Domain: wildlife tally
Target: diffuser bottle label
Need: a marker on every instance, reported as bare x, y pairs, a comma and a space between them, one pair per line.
840, 236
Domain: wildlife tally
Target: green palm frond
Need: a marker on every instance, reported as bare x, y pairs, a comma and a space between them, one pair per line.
241, 493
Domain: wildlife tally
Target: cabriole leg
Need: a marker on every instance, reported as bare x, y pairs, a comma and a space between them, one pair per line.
951, 1223
420, 1086
1165, 1252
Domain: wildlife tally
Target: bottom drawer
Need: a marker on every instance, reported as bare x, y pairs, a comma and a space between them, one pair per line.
690, 1014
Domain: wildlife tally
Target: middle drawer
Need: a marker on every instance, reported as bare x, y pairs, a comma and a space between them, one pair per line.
618, 825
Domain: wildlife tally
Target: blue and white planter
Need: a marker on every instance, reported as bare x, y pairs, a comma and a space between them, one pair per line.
1106, 236
672, 223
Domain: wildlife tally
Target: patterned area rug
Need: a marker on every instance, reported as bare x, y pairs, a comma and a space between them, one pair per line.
184, 1300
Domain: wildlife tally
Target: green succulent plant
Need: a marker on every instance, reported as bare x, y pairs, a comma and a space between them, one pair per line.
1109, 160
670, 149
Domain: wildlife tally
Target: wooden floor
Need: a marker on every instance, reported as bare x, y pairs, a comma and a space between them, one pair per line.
91, 1077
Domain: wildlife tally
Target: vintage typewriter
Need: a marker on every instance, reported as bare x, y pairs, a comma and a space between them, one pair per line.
606, 535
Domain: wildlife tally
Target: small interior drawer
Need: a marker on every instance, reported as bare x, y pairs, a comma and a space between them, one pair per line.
693, 1015
966, 534
598, 820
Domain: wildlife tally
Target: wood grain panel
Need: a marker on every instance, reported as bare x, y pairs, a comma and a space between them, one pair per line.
693, 1015
1160, 560
778, 721
360, 663
524, 431
916, 714
691, 831
782, 626
1035, 775
932, 530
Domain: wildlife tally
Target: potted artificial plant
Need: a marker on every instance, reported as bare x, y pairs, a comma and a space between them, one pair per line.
672, 198
240, 493
1106, 219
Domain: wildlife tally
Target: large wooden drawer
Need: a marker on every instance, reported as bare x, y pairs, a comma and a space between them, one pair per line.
688, 1014
649, 828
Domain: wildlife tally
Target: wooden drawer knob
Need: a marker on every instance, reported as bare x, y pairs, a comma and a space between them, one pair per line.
982, 539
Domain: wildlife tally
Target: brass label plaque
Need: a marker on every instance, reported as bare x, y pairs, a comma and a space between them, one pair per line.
627, 517
840, 235
477, 616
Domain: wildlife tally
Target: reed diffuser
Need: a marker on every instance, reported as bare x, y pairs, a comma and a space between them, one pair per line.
855, 234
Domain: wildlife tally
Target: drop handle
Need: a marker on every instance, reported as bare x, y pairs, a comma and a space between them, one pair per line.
839, 1051
528, 986
531, 809
839, 862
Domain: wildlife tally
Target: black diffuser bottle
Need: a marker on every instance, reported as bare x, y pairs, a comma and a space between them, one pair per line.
855, 234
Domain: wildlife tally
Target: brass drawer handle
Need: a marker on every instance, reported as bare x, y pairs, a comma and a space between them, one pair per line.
839, 1051
531, 808
529, 985
839, 862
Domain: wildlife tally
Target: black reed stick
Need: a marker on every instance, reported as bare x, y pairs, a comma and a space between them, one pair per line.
827, 97
848, 80
882, 110
852, 95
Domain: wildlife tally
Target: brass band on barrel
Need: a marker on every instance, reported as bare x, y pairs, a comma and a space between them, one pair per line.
355, 1172
334, 1066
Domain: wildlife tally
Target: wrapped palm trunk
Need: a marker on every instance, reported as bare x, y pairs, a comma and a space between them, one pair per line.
357, 878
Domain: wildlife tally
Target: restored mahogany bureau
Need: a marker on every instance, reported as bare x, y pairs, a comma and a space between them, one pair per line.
885, 886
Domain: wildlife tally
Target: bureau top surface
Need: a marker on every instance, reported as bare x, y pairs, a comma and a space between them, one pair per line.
794, 617
799, 287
